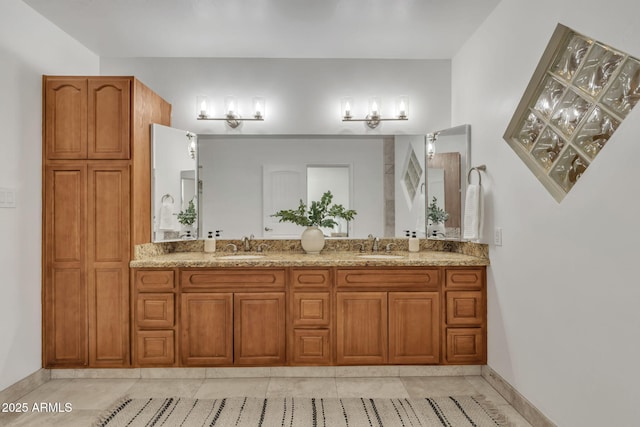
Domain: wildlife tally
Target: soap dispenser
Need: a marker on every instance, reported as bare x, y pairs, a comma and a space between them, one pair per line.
210, 243
414, 242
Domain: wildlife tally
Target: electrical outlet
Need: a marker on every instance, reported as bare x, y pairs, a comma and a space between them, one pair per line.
7, 198
497, 236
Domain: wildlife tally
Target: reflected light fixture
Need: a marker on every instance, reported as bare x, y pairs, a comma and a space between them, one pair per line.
431, 144
231, 115
374, 114
192, 146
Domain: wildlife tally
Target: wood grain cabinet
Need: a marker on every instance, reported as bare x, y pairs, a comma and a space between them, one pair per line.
388, 316
96, 173
465, 322
154, 317
233, 316
310, 321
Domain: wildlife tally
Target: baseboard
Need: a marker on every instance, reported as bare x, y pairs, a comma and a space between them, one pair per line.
528, 411
25, 385
276, 371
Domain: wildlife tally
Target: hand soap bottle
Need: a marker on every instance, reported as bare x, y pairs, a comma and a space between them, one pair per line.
210, 243
414, 242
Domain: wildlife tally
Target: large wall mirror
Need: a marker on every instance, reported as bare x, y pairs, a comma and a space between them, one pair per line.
174, 183
244, 179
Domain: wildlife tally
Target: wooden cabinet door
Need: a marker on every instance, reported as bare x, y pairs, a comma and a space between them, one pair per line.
108, 257
206, 329
65, 123
64, 290
259, 328
414, 324
108, 116
361, 328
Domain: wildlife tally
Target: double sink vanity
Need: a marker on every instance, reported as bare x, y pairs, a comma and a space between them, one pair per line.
285, 308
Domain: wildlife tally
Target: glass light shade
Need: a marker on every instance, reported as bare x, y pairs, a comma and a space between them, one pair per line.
431, 145
202, 106
374, 106
230, 106
402, 106
346, 106
259, 107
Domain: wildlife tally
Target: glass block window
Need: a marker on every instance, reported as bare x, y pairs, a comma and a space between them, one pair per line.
412, 175
579, 94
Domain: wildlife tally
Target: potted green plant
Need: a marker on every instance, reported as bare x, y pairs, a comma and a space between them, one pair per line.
188, 216
436, 216
320, 214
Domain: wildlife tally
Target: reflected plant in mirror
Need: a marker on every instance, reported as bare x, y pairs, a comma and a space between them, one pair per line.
436, 216
188, 217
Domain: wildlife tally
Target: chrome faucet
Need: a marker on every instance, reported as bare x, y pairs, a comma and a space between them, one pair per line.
234, 248
376, 241
246, 241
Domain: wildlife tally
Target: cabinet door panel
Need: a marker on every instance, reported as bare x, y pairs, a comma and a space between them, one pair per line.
65, 287
465, 345
311, 347
108, 263
65, 123
155, 348
108, 118
361, 328
207, 329
259, 328
464, 308
464, 278
414, 327
155, 310
310, 309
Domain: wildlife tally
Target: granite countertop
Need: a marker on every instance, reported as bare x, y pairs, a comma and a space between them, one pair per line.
296, 259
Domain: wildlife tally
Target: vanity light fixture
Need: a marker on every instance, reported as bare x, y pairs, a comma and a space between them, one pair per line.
431, 144
231, 115
374, 115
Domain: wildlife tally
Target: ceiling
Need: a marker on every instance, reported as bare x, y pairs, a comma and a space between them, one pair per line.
410, 29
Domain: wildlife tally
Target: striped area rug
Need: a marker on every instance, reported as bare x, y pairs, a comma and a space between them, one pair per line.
451, 411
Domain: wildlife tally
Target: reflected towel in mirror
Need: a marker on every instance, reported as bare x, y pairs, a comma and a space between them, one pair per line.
167, 220
473, 213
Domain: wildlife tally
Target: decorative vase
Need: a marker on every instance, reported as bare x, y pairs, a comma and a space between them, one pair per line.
312, 240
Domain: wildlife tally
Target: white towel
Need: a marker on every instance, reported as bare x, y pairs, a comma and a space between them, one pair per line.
166, 221
473, 213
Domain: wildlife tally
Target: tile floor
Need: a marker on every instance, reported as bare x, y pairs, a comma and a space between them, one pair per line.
90, 397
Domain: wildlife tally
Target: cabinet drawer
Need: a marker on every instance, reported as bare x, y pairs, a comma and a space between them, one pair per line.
311, 347
154, 280
386, 278
465, 345
465, 308
467, 278
311, 278
155, 310
155, 348
311, 309
230, 279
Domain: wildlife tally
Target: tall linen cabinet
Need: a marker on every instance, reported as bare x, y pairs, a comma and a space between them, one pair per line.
96, 207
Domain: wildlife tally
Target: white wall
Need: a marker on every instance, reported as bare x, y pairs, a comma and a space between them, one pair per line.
29, 47
302, 95
564, 288
232, 176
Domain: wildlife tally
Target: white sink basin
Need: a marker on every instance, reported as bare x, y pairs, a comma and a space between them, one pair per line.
242, 256
381, 256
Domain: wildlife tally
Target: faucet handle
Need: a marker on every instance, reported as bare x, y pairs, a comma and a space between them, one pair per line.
261, 247
361, 250
234, 248
387, 248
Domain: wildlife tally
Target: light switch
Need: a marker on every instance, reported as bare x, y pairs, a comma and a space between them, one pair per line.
497, 236
7, 198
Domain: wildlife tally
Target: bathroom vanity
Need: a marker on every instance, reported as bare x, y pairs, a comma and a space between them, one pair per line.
291, 309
